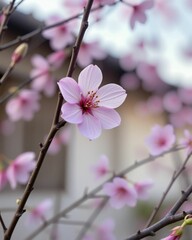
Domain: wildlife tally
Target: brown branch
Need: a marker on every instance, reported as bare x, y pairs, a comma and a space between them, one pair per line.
150, 231
174, 177
56, 125
93, 193
2, 223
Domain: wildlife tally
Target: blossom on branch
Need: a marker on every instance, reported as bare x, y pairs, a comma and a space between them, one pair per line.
19, 170
23, 106
142, 188
161, 139
187, 141
59, 36
91, 108
101, 168
37, 214
120, 193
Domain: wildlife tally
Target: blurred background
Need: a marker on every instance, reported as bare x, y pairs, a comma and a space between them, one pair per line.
152, 62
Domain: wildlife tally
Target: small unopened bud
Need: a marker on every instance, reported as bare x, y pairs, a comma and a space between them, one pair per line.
18, 201
19, 53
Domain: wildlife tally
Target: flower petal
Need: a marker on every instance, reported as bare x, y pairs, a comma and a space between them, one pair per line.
90, 126
71, 113
90, 79
70, 90
111, 95
109, 118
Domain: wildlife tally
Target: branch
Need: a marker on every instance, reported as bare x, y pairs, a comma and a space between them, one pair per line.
93, 193
2, 223
150, 231
174, 177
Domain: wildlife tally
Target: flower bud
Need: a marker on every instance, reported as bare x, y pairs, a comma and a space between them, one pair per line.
19, 53
18, 201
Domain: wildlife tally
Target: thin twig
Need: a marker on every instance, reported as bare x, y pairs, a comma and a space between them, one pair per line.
2, 223
150, 231
176, 174
91, 219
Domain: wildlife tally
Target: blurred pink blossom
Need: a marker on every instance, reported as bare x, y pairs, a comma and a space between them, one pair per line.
59, 36
3, 177
130, 81
187, 141
161, 139
23, 106
37, 215
138, 12
172, 102
154, 104
182, 117
142, 188
167, 11
127, 62
101, 168
89, 107
120, 193
151, 81
88, 52
185, 95
42, 72
6, 127
19, 169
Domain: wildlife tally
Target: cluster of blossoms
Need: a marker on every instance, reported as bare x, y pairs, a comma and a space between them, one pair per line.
120, 191
18, 170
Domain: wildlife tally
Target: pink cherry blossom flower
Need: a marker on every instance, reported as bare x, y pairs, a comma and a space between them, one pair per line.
92, 109
19, 170
42, 72
161, 139
88, 52
187, 141
59, 36
23, 106
101, 168
37, 215
120, 193
138, 12
142, 188
172, 102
